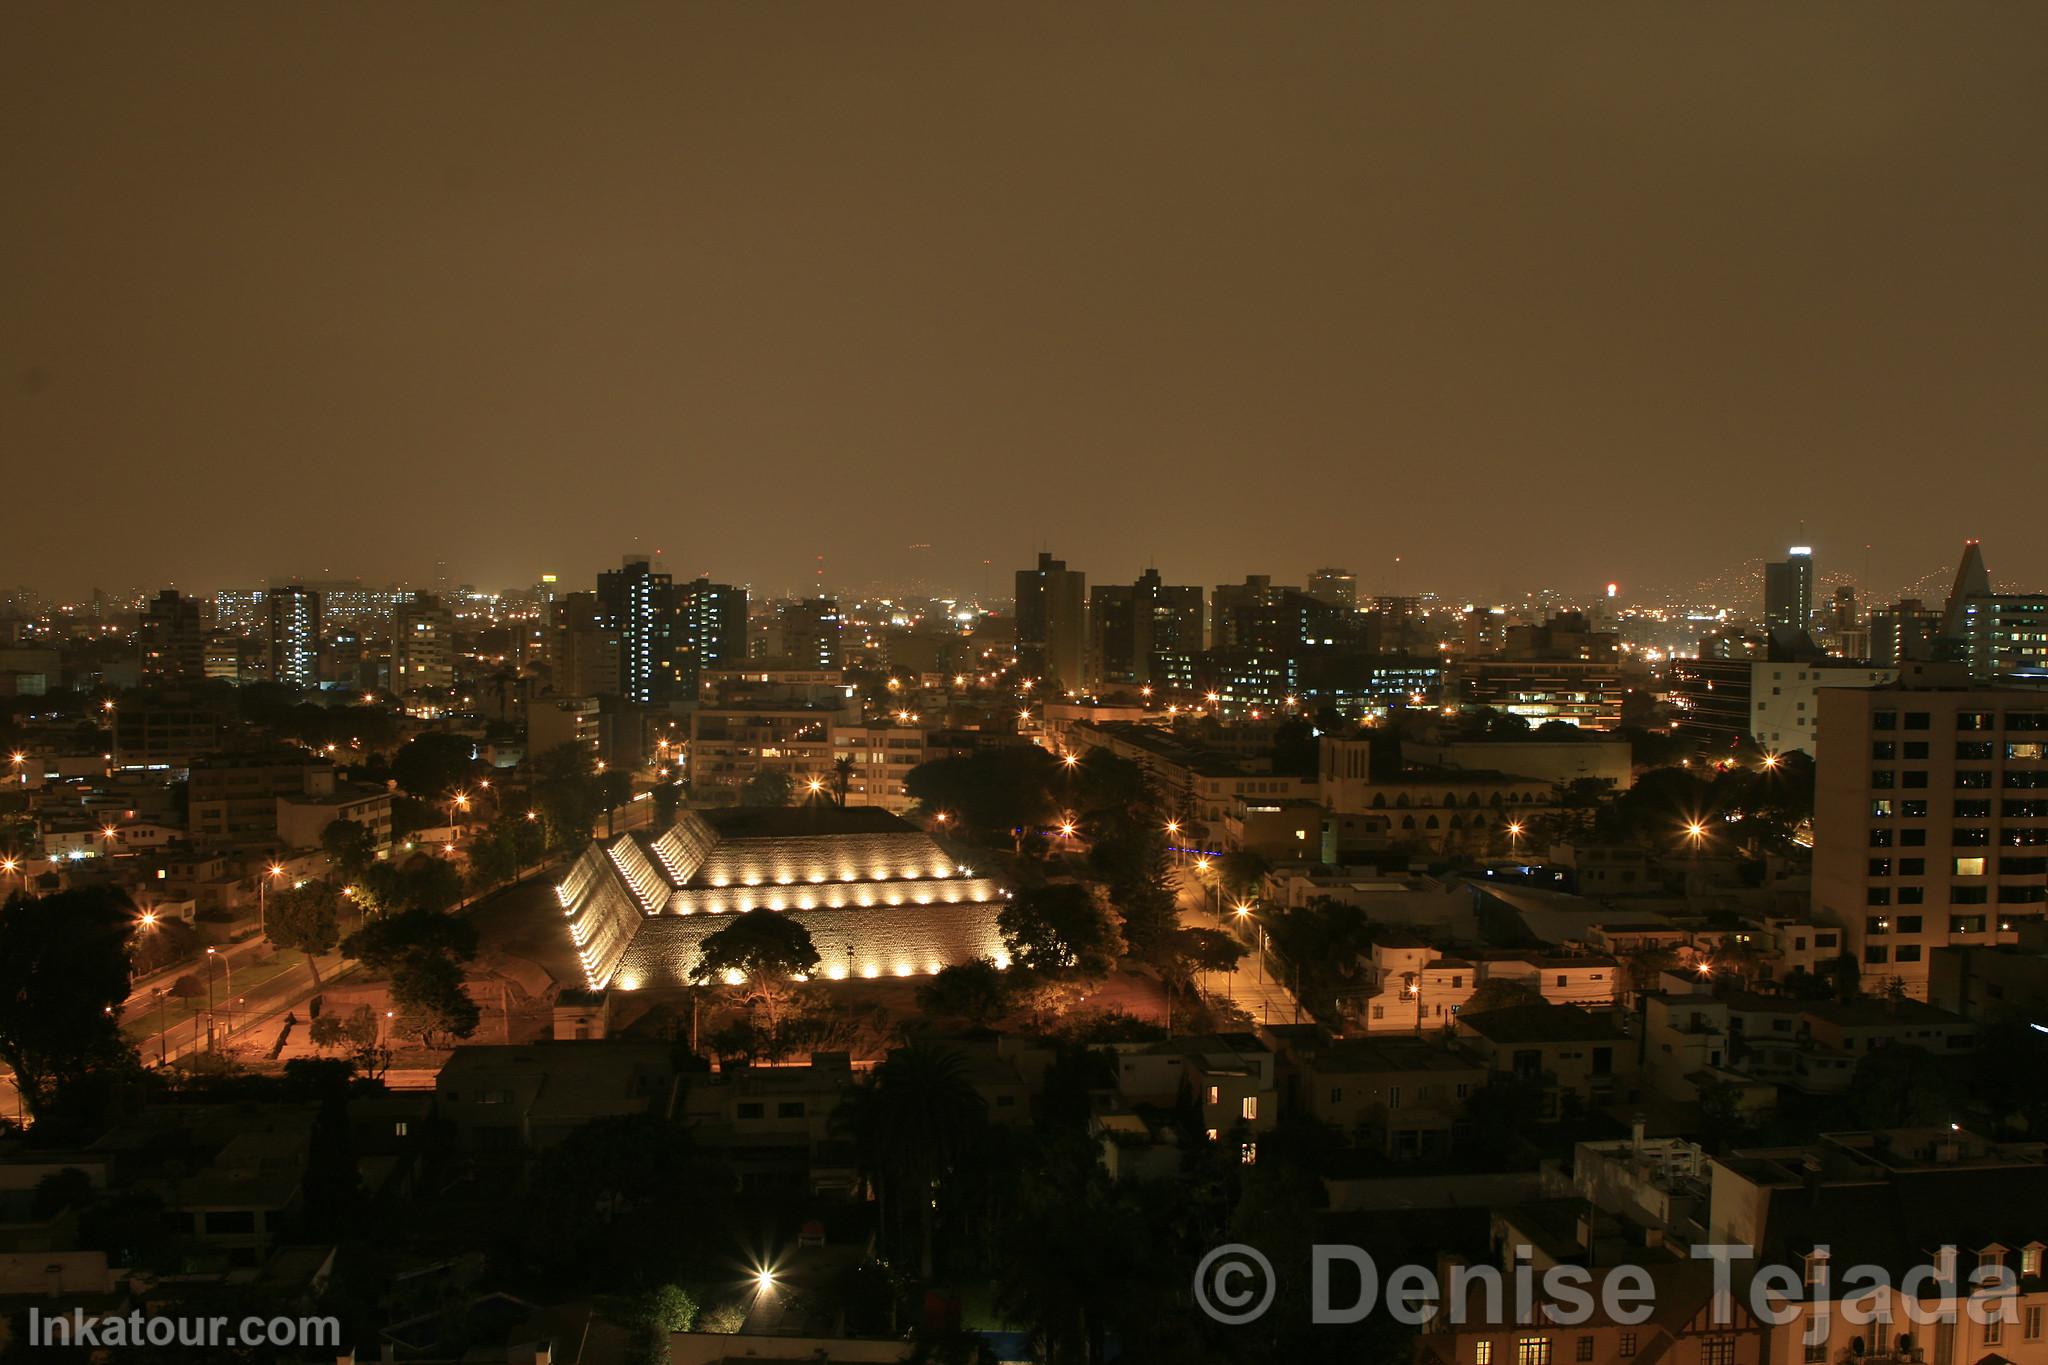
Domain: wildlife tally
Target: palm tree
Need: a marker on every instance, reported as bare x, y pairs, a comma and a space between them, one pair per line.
912, 1123
842, 777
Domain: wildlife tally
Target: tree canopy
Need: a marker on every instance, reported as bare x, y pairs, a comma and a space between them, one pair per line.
63, 980
765, 950
1059, 930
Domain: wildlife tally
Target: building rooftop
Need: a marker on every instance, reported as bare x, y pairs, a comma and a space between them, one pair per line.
1543, 1023
1369, 1055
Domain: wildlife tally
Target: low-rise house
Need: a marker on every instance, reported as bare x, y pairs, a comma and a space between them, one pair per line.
1406, 1095
1229, 1079
1564, 1048
503, 1097
776, 1122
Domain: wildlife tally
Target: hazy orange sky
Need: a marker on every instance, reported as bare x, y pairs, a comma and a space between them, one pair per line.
1523, 294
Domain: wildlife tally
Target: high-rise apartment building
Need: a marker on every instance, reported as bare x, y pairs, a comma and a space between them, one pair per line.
711, 631
1788, 589
641, 606
1338, 587
810, 632
1052, 622
1256, 615
1931, 822
422, 646
173, 639
1137, 631
1997, 634
294, 616
583, 648
1907, 631
241, 611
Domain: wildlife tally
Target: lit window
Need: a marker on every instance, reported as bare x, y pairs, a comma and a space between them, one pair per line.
1970, 867
1214, 1094
1251, 1106
1482, 1353
1248, 1155
1532, 1351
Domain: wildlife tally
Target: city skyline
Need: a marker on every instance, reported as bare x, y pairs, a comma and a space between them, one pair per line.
1269, 282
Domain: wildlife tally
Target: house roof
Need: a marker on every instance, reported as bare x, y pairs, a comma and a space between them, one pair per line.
1544, 1023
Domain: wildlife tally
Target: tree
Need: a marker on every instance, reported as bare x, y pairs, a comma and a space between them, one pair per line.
1901, 1086
433, 885
842, 776
307, 919
668, 798
660, 1313
431, 766
505, 848
1296, 750
385, 943
1324, 942
989, 793
1641, 968
1202, 950
350, 850
1498, 993
1241, 873
1136, 871
1845, 975
63, 980
912, 1123
975, 992
431, 1005
603, 1203
767, 789
614, 789
1059, 931
764, 950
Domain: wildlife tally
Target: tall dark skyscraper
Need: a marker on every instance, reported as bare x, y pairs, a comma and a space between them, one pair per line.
173, 640
640, 605
1052, 622
294, 615
1788, 589
810, 632
1257, 615
1136, 628
1338, 587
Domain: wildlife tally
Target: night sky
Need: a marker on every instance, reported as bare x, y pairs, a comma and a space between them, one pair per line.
1527, 295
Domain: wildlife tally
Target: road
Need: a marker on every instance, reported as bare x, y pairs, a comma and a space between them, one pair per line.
1254, 985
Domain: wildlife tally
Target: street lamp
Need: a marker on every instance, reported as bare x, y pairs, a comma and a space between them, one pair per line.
1243, 911
211, 955
274, 871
